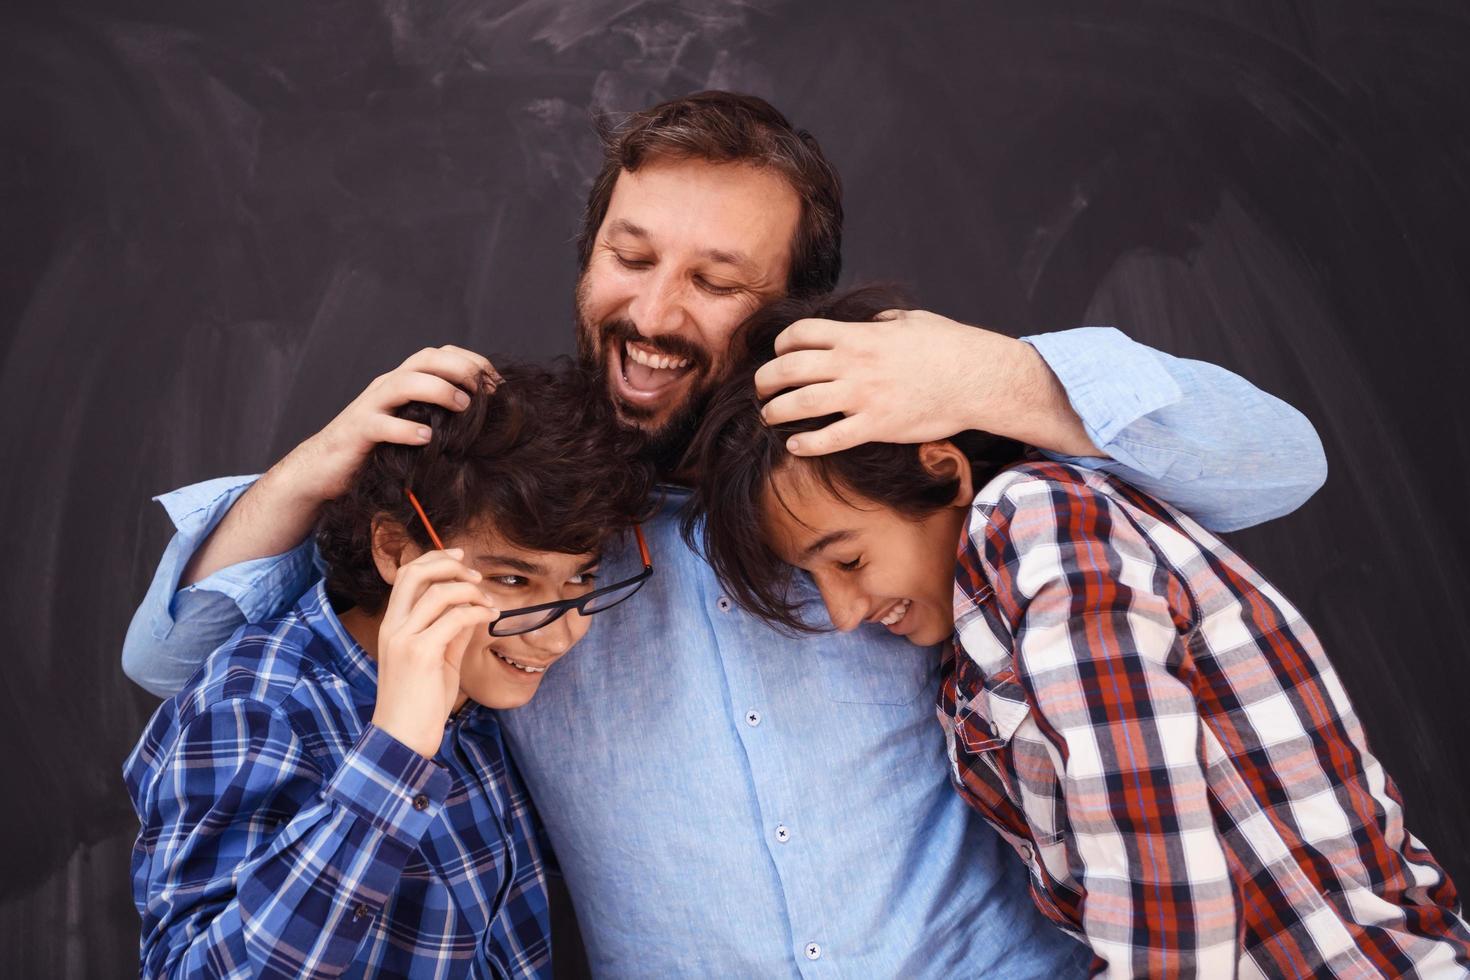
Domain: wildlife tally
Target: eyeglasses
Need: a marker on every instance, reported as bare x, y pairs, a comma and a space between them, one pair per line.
528, 619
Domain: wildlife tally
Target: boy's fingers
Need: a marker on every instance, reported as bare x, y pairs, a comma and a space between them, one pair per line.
419, 574
438, 600
458, 625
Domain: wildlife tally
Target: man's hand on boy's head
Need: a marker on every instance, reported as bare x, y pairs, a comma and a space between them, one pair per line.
914, 377
435, 611
322, 467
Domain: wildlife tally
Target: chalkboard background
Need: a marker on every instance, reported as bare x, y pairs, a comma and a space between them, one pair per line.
218, 221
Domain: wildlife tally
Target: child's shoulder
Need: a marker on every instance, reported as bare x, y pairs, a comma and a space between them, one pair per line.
1029, 483
265, 664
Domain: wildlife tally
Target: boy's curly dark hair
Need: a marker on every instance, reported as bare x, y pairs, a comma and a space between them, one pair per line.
539, 457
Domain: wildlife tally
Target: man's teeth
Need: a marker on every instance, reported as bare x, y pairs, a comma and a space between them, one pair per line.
897, 612
523, 667
660, 362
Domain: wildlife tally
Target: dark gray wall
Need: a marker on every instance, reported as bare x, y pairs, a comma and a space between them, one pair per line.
217, 221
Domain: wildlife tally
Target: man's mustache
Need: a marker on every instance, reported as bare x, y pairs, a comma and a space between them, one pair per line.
624, 331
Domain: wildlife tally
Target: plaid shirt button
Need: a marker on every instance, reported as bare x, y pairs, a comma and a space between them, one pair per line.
361, 912
421, 802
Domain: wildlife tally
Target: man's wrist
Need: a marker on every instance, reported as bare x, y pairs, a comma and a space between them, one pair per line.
1024, 400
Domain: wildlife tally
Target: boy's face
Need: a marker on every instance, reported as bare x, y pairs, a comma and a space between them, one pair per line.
871, 563
505, 671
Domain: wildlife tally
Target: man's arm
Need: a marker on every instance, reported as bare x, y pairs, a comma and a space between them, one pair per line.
1187, 432
1097, 645
240, 552
247, 858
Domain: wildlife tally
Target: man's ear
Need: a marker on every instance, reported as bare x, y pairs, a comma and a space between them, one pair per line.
392, 548
944, 460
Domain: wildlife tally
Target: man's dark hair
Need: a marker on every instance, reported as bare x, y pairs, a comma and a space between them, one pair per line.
539, 458
727, 127
735, 453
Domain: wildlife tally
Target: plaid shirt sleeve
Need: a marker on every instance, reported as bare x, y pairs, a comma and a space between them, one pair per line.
1098, 644
248, 864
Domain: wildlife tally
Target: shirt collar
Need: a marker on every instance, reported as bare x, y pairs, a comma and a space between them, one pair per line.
346, 656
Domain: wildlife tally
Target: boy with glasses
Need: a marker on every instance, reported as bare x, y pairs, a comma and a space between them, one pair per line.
330, 792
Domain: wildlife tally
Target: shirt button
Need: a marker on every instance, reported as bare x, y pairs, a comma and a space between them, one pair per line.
1026, 852
724, 604
752, 717
361, 912
421, 802
783, 834
813, 951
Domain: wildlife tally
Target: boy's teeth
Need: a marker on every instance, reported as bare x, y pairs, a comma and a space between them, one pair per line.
521, 667
660, 362
896, 613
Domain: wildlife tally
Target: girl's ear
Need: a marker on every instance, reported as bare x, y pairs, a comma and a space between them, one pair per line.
942, 459
392, 547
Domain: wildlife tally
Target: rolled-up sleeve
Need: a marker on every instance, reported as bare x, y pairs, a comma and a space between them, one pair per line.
173, 630
1188, 432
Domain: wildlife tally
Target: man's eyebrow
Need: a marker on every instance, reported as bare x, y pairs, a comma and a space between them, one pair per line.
627, 228
722, 257
830, 538
510, 561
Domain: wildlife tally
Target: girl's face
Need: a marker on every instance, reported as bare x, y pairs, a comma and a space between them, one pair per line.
505, 671
871, 563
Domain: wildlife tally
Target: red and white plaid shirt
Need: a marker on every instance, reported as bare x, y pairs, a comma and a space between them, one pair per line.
1159, 735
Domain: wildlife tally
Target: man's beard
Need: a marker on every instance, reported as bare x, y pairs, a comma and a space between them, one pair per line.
665, 445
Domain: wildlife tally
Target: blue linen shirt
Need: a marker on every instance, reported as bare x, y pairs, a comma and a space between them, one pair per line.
726, 800
284, 835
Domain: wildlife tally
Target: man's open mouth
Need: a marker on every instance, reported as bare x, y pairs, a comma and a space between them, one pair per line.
645, 376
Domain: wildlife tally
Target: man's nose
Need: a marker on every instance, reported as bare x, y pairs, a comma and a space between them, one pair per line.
658, 307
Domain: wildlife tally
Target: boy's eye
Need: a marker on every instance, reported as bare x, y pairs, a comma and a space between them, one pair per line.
631, 263
509, 581
583, 578
851, 566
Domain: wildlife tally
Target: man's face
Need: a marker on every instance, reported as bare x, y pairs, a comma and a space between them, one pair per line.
688, 249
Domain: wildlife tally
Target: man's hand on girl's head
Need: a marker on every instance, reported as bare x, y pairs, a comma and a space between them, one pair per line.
911, 377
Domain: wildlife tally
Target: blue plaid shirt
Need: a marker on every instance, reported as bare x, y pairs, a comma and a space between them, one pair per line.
284, 835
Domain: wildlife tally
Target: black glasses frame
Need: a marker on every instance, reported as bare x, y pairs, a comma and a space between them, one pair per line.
564, 606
